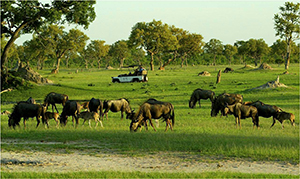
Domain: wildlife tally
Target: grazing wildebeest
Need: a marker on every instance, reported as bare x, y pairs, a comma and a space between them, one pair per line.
26, 110
55, 98
116, 106
96, 105
153, 109
265, 110
90, 115
227, 69
51, 115
241, 111
220, 102
71, 108
281, 116
199, 94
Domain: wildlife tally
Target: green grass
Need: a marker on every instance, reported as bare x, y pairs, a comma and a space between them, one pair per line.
195, 131
113, 174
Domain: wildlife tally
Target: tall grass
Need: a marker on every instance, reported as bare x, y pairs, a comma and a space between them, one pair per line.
195, 131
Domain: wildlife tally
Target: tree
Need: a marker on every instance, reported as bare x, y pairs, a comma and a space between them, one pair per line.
214, 47
58, 42
242, 51
287, 26
229, 51
154, 37
21, 17
120, 51
188, 44
256, 49
97, 50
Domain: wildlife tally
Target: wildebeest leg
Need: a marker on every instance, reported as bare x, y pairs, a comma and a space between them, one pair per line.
274, 121
55, 108
152, 124
281, 124
38, 121
199, 104
105, 112
168, 123
24, 122
90, 123
121, 115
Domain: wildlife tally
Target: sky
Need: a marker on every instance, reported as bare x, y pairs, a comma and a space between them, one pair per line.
227, 21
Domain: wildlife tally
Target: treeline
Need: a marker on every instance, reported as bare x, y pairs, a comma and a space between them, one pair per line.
149, 44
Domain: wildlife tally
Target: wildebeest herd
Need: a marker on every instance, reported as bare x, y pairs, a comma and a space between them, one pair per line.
151, 109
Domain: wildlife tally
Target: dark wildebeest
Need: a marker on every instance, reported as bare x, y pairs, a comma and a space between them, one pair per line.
55, 98
265, 110
281, 116
199, 94
26, 110
96, 105
241, 111
153, 109
116, 106
219, 103
71, 108
227, 69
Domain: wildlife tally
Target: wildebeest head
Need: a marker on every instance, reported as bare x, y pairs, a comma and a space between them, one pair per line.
192, 102
215, 108
63, 119
13, 120
130, 115
134, 125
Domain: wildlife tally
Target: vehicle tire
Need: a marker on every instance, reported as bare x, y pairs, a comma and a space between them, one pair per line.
135, 80
116, 81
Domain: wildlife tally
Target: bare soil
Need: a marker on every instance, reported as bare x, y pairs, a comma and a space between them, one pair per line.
96, 160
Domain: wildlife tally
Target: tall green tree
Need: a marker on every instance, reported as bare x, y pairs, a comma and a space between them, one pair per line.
287, 26
154, 37
97, 49
214, 47
120, 51
229, 51
256, 49
21, 17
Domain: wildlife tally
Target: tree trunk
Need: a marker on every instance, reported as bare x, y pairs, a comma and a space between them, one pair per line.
152, 62
99, 63
122, 62
288, 55
11, 41
214, 62
219, 77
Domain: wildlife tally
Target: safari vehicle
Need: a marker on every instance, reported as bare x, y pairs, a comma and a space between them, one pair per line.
139, 75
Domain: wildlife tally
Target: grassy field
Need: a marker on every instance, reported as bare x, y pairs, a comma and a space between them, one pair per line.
195, 131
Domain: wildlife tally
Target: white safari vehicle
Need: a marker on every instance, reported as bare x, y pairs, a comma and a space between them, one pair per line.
140, 75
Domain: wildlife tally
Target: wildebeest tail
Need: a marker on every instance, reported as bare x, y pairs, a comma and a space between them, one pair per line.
172, 115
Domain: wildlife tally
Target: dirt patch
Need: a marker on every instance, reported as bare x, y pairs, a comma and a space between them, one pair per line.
271, 84
170, 162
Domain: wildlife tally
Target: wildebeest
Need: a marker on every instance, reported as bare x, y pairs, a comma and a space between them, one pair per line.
30, 100
153, 109
281, 116
55, 98
227, 69
26, 110
96, 105
199, 94
265, 110
241, 111
116, 106
51, 115
86, 115
71, 108
220, 102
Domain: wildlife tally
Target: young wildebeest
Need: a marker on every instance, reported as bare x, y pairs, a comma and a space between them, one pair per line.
53, 98
265, 110
219, 103
51, 115
26, 110
90, 115
241, 111
199, 94
116, 106
96, 105
281, 116
153, 109
71, 108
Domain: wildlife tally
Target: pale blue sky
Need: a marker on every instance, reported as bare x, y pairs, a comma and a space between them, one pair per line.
227, 21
